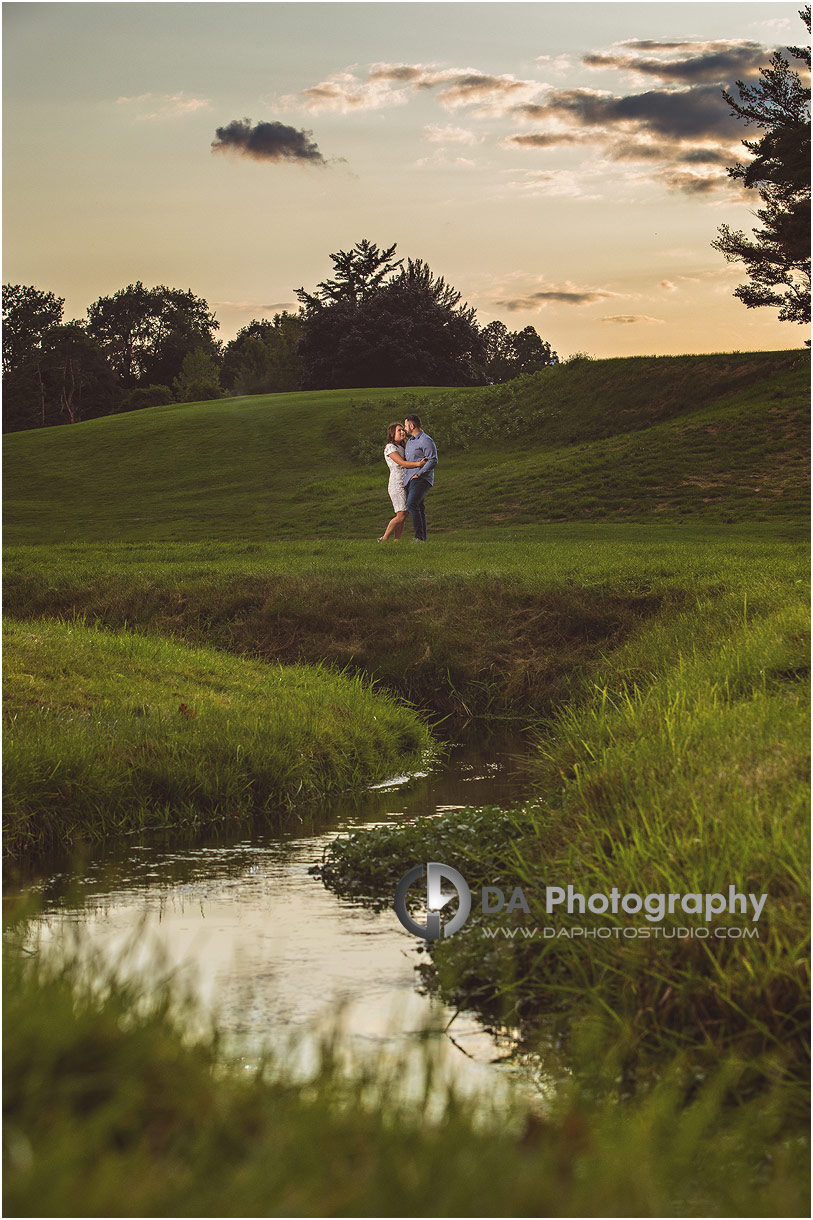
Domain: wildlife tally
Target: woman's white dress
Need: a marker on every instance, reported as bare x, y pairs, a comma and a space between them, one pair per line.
396, 484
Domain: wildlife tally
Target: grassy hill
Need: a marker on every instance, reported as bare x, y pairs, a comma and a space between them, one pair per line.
722, 437
617, 562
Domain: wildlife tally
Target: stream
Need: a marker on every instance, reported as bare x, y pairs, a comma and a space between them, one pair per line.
243, 926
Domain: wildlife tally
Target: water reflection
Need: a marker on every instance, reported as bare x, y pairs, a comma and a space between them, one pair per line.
242, 923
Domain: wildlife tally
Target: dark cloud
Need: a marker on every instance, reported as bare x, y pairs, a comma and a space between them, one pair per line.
631, 150
691, 184
535, 300
544, 139
681, 114
267, 142
704, 156
710, 62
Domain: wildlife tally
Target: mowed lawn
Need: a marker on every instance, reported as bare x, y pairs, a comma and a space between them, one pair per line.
720, 438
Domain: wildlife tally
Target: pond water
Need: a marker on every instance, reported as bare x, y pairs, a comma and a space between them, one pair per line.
247, 929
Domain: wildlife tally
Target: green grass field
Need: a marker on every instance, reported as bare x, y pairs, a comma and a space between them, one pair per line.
706, 437
111, 732
617, 563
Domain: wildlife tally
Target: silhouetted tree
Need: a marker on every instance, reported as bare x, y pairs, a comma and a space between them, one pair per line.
778, 261
263, 357
360, 273
28, 314
376, 325
509, 353
65, 381
146, 333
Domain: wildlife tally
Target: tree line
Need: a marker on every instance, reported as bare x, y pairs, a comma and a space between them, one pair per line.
378, 321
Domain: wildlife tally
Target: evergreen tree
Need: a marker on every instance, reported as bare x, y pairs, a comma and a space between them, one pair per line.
778, 260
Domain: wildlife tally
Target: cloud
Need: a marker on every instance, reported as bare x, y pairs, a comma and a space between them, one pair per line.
677, 114
689, 183
685, 61
668, 286
450, 135
489, 93
566, 183
267, 142
555, 63
253, 307
546, 139
629, 319
164, 105
344, 92
567, 294
780, 24
441, 157
640, 150
391, 85
680, 132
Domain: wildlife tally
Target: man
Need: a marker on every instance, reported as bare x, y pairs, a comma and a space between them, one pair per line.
417, 483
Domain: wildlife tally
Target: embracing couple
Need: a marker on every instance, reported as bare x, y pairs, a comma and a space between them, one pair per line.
412, 473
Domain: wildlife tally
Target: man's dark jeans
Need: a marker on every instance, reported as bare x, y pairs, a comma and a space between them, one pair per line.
416, 491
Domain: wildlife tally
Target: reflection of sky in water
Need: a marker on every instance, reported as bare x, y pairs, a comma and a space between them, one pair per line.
266, 948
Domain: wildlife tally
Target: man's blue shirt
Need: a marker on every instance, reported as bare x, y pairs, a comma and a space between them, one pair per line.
419, 446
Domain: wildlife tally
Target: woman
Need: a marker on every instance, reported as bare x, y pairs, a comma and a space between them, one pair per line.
394, 457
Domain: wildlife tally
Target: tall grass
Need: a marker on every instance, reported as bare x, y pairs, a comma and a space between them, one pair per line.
108, 732
110, 1110
680, 767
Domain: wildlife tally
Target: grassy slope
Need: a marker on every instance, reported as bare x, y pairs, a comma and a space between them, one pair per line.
112, 732
722, 437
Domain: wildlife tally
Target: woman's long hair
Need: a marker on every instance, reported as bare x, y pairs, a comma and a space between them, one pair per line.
391, 433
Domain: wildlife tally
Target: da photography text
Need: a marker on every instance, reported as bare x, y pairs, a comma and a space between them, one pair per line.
559, 900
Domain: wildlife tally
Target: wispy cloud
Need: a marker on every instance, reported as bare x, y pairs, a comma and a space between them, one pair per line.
253, 308
555, 63
631, 319
442, 158
562, 294
344, 92
388, 84
157, 106
548, 139
780, 24
435, 134
267, 142
679, 129
567, 183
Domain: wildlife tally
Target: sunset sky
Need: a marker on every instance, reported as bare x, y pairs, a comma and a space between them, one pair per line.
562, 165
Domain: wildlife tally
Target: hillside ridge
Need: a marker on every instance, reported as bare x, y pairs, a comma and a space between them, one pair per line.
590, 439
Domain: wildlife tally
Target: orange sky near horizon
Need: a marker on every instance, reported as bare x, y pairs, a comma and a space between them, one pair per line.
562, 165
